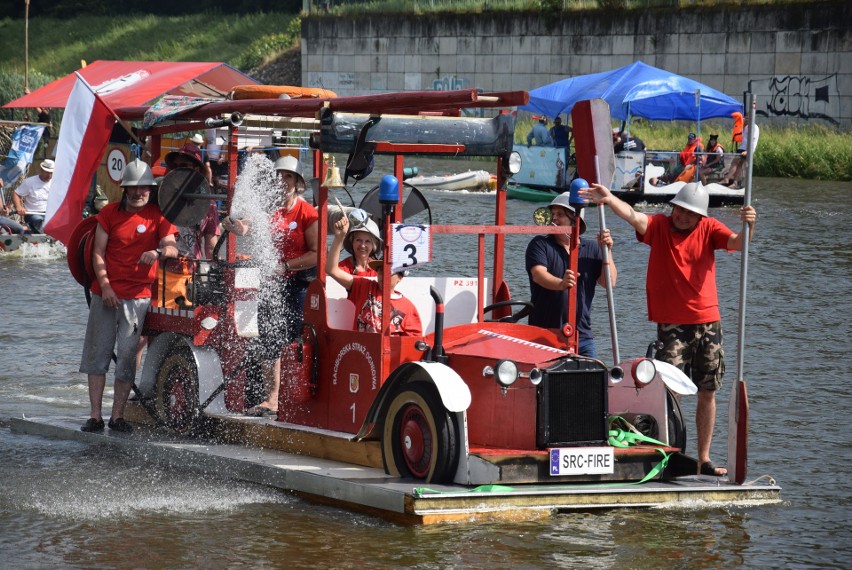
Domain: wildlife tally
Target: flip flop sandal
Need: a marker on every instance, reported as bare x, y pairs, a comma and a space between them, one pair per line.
260, 411
708, 468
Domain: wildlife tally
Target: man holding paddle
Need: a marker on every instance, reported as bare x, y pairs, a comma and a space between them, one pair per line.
681, 291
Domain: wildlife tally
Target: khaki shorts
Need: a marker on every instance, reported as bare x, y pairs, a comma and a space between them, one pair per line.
110, 329
695, 349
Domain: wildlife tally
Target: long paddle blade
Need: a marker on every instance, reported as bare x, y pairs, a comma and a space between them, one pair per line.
738, 434
593, 138
596, 163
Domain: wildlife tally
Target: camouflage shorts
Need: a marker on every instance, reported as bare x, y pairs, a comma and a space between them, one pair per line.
695, 349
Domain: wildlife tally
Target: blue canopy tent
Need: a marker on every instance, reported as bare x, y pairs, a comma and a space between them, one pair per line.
637, 90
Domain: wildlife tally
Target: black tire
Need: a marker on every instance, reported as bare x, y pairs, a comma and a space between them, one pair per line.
677, 428
421, 438
176, 390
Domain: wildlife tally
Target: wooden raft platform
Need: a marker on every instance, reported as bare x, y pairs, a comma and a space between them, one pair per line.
372, 491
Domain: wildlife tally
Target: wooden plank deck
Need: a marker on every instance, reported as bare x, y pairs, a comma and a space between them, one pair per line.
370, 490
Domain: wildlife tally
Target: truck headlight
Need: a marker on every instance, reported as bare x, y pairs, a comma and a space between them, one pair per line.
506, 372
643, 371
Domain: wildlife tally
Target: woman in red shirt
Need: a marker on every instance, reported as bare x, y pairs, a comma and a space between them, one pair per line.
280, 307
363, 244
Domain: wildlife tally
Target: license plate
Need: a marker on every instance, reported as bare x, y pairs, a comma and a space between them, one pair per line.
582, 461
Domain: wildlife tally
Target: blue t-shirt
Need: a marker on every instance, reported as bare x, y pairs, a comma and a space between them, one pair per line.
550, 307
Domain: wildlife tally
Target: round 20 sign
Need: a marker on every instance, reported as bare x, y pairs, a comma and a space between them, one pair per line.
115, 164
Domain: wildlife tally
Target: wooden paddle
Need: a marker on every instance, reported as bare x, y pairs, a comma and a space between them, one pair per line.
596, 163
738, 404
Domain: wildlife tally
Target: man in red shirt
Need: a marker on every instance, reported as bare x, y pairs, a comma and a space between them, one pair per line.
681, 291
130, 237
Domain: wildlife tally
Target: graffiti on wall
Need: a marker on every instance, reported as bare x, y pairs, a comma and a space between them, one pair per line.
798, 96
449, 83
453, 83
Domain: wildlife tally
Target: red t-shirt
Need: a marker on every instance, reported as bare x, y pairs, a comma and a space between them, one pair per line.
366, 295
348, 265
130, 235
289, 227
681, 280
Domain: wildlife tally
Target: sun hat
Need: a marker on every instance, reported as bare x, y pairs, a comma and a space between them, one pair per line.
189, 150
291, 164
564, 200
48, 165
369, 227
380, 264
197, 139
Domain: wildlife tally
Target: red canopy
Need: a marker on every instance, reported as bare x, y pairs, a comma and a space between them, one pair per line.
150, 80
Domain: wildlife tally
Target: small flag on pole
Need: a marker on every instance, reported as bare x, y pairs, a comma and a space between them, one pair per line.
86, 128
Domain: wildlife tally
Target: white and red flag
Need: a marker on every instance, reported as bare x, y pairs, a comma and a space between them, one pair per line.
86, 128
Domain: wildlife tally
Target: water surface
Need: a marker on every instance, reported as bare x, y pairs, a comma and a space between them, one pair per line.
68, 505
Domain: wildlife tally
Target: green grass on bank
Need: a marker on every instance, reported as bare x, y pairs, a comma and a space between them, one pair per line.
813, 152
56, 47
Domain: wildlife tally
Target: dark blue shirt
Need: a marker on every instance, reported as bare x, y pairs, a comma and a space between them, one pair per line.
550, 307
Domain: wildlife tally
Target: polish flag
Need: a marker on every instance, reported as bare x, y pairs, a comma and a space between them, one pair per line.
86, 128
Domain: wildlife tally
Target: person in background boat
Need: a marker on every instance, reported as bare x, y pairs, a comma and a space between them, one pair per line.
206, 170
737, 129
687, 161
7, 224
31, 197
131, 235
195, 242
363, 243
214, 158
539, 133
548, 267
366, 294
681, 291
734, 176
714, 162
623, 141
280, 310
561, 135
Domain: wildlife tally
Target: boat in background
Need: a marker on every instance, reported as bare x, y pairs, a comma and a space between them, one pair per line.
471, 181
542, 167
13, 242
543, 173
637, 176
521, 192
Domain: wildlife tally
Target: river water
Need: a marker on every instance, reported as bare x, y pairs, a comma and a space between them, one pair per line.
68, 505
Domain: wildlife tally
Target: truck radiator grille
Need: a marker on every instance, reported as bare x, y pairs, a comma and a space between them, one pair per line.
572, 404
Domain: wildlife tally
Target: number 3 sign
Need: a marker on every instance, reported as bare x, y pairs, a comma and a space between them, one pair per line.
411, 245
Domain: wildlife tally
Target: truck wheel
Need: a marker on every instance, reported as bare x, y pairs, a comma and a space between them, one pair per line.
420, 437
176, 390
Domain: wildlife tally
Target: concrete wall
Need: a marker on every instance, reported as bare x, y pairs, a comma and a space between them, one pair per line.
796, 58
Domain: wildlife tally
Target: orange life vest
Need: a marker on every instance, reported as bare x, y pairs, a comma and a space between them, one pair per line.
737, 133
687, 155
